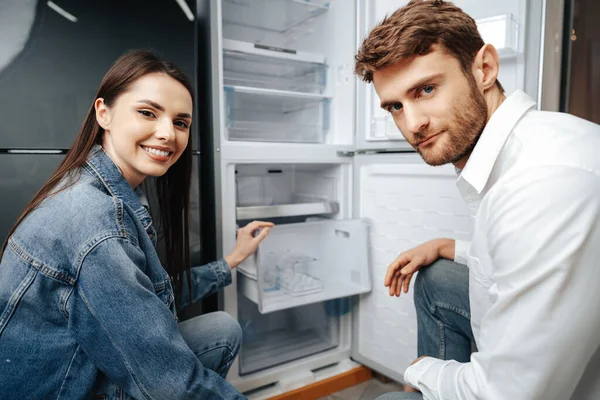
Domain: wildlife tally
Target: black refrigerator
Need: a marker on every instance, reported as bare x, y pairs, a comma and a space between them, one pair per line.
53, 55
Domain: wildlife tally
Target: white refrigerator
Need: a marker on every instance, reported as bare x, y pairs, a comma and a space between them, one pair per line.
290, 135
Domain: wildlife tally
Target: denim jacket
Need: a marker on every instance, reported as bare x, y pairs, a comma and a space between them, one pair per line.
87, 310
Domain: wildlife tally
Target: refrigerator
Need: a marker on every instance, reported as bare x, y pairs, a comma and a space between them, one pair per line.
53, 55
290, 135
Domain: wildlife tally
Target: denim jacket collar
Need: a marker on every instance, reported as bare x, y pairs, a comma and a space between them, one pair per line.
102, 167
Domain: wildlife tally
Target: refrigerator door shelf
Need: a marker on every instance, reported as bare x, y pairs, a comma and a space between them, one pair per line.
502, 31
266, 115
306, 263
287, 210
273, 68
279, 16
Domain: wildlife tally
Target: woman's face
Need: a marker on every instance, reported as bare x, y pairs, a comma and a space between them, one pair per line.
148, 127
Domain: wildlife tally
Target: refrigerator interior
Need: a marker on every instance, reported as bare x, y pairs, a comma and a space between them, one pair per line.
287, 72
303, 270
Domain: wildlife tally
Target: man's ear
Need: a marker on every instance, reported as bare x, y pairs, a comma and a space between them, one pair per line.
102, 113
485, 67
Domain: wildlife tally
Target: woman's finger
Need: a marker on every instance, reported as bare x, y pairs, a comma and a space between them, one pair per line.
254, 225
262, 234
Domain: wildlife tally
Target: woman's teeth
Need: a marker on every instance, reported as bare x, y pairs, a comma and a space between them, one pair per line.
156, 151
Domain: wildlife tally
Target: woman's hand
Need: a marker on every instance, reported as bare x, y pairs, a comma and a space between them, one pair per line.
247, 241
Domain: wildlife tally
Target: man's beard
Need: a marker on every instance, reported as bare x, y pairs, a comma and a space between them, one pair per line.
470, 119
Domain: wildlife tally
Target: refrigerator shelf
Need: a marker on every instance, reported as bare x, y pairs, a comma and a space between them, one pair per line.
287, 210
261, 50
274, 132
258, 66
503, 32
275, 92
279, 16
267, 115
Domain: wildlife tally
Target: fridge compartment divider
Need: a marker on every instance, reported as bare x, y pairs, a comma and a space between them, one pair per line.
280, 16
287, 210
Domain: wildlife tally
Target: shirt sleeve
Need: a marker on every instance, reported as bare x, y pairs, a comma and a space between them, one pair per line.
460, 251
543, 230
206, 280
129, 333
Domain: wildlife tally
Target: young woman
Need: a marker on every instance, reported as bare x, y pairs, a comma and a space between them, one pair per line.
86, 308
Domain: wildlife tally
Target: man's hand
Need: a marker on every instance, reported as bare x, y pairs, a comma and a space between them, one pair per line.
408, 388
248, 241
400, 272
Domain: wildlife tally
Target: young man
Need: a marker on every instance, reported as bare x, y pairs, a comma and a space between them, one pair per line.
531, 180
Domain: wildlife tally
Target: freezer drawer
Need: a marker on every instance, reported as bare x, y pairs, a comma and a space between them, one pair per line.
283, 336
306, 263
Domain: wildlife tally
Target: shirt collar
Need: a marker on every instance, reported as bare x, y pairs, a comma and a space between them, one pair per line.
102, 167
481, 162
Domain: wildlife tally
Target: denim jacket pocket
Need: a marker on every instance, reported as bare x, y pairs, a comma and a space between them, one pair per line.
164, 291
112, 392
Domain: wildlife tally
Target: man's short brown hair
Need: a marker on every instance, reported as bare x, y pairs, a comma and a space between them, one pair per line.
412, 31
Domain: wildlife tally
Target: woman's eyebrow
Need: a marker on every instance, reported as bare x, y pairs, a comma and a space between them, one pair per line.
161, 108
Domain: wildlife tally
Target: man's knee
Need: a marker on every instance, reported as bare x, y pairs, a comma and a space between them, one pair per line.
436, 277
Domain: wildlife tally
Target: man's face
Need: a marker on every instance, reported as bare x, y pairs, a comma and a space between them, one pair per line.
438, 109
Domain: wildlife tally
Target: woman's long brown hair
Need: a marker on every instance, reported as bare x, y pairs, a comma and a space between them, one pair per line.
172, 189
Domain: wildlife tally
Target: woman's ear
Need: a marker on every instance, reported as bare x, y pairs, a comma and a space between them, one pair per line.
485, 67
102, 113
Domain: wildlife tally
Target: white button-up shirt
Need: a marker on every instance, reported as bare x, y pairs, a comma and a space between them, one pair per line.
532, 185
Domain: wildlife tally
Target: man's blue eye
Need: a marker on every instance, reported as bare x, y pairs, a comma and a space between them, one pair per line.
428, 89
397, 106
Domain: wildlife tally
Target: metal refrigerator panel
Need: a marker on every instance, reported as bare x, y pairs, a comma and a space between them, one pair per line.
21, 176
51, 63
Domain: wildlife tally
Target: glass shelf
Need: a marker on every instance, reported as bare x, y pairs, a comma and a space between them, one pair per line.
276, 116
270, 72
287, 210
272, 15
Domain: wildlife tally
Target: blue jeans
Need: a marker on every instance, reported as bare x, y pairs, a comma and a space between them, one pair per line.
443, 316
214, 338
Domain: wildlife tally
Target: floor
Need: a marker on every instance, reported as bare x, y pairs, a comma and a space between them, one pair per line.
368, 390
